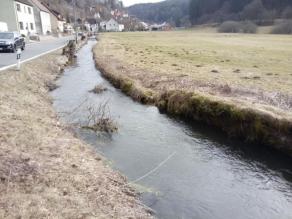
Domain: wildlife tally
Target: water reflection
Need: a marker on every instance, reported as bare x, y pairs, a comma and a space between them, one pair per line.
209, 176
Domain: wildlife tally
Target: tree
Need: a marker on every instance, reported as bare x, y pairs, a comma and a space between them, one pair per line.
254, 10
194, 10
287, 13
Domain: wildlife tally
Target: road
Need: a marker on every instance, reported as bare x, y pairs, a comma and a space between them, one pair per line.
32, 50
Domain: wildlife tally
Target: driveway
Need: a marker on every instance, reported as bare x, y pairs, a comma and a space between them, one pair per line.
32, 50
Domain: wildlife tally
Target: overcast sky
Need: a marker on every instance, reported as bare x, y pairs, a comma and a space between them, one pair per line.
132, 2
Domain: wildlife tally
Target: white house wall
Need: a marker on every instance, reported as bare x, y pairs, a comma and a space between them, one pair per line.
26, 18
61, 26
8, 14
112, 25
121, 27
46, 22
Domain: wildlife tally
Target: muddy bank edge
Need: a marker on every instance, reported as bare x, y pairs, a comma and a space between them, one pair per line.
246, 123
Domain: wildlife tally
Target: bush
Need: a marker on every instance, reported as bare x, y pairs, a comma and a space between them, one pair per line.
229, 27
237, 27
248, 27
284, 27
98, 89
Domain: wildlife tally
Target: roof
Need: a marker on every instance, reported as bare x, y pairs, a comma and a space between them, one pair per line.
53, 12
112, 20
24, 2
39, 5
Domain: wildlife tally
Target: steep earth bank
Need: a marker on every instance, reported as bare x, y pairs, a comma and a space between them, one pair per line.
45, 171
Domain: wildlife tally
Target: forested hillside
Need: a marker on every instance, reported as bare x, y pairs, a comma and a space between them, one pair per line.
84, 8
206, 11
260, 11
175, 12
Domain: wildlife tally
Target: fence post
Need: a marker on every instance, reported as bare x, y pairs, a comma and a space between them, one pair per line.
18, 57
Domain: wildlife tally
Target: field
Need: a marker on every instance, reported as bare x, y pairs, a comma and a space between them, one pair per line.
250, 68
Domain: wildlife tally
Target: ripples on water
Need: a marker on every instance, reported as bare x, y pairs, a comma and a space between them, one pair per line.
209, 176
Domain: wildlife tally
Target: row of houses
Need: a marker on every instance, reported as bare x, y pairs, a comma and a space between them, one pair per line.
30, 17
114, 26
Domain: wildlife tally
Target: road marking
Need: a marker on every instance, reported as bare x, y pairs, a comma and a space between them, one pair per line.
32, 58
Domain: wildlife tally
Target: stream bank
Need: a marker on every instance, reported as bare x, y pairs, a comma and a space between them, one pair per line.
207, 175
45, 171
243, 122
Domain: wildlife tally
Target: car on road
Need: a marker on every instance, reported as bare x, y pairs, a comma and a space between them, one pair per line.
11, 41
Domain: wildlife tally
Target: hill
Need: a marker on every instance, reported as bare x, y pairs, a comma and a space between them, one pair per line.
175, 12
178, 12
259, 11
84, 8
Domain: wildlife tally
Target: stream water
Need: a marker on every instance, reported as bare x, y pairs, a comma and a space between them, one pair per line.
206, 176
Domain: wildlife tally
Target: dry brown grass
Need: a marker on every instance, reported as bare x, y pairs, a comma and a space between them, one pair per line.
46, 172
246, 70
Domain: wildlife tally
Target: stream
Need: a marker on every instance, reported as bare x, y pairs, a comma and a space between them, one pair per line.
185, 170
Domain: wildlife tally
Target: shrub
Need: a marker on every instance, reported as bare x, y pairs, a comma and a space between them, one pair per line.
284, 27
99, 119
248, 27
98, 89
237, 27
229, 27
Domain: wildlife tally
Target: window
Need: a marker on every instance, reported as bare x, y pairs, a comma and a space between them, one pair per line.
29, 10
21, 25
18, 8
4, 35
24, 9
31, 26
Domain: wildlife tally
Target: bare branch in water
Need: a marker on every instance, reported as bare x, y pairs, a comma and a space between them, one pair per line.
100, 119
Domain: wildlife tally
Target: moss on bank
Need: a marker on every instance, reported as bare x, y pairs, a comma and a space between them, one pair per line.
245, 123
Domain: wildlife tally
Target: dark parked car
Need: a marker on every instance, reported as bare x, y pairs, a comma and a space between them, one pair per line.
11, 41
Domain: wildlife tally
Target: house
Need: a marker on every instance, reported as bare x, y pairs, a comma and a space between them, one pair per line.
121, 27
57, 20
68, 28
25, 17
111, 26
103, 25
144, 26
60, 21
3, 26
8, 14
161, 27
42, 18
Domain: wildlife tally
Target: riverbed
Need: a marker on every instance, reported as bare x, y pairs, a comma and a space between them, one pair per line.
184, 170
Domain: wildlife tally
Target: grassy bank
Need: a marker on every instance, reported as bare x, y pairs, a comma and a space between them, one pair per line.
45, 171
241, 84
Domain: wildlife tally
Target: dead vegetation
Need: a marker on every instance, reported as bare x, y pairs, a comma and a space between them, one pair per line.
98, 89
70, 51
46, 172
51, 86
100, 119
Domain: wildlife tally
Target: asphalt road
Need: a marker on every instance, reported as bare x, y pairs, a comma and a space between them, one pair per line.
32, 50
